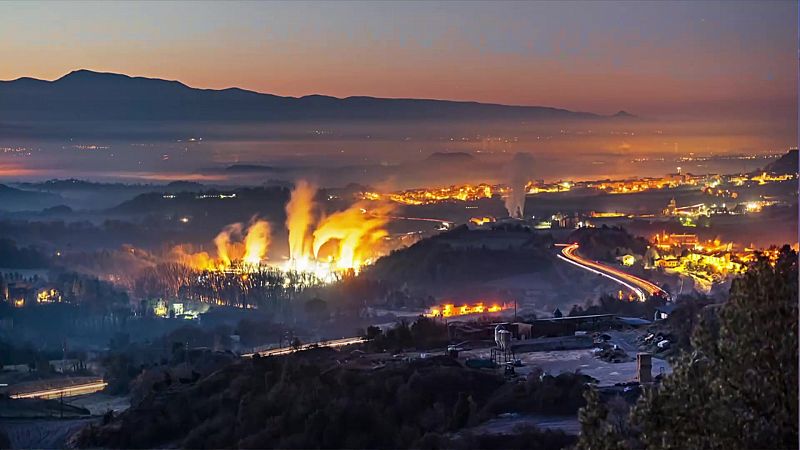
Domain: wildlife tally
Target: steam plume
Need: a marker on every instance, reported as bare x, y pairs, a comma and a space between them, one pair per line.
519, 172
256, 243
223, 242
299, 219
355, 231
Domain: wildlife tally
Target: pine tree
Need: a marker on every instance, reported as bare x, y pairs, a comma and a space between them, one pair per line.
597, 431
738, 388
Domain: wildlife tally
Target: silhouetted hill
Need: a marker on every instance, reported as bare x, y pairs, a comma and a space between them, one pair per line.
320, 398
72, 184
13, 199
180, 186
623, 115
82, 194
464, 256
88, 95
606, 244
17, 257
250, 168
211, 205
785, 164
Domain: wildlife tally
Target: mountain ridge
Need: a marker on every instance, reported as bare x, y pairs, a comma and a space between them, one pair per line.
105, 96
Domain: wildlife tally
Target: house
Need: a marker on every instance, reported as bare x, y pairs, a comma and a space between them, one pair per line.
668, 263
663, 312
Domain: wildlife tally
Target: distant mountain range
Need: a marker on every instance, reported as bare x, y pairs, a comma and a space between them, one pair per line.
85, 95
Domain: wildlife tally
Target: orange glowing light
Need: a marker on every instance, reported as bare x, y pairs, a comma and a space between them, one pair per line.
326, 246
450, 310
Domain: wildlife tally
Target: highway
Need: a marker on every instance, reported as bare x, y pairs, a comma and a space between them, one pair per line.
66, 391
286, 350
643, 289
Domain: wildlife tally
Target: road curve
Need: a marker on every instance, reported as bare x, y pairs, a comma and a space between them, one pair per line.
640, 287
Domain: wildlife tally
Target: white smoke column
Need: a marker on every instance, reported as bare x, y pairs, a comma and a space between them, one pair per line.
519, 170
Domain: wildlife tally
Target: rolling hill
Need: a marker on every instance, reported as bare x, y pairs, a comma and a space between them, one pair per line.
785, 164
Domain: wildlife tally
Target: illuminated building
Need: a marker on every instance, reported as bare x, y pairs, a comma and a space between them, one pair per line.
765, 178
673, 209
668, 263
450, 310
666, 241
480, 221
20, 294
606, 215
160, 309
565, 220
539, 187
48, 296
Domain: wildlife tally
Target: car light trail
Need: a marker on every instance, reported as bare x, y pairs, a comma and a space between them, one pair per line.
641, 288
286, 350
69, 391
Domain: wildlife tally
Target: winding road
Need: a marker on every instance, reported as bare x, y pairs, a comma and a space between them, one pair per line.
643, 289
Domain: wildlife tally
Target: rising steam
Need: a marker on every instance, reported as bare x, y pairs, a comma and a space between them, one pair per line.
256, 243
225, 243
344, 240
299, 216
519, 172
355, 231
248, 245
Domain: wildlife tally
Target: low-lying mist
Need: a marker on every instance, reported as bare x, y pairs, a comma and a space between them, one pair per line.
396, 155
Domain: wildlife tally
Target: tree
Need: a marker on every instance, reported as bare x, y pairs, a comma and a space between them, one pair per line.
597, 430
316, 309
373, 332
461, 411
738, 388
5, 442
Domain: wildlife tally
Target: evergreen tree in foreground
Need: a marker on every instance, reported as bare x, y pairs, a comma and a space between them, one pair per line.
737, 389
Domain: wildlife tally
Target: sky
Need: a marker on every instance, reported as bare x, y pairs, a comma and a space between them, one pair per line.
648, 58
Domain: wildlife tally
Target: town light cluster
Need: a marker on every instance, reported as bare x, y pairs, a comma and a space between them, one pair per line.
450, 310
